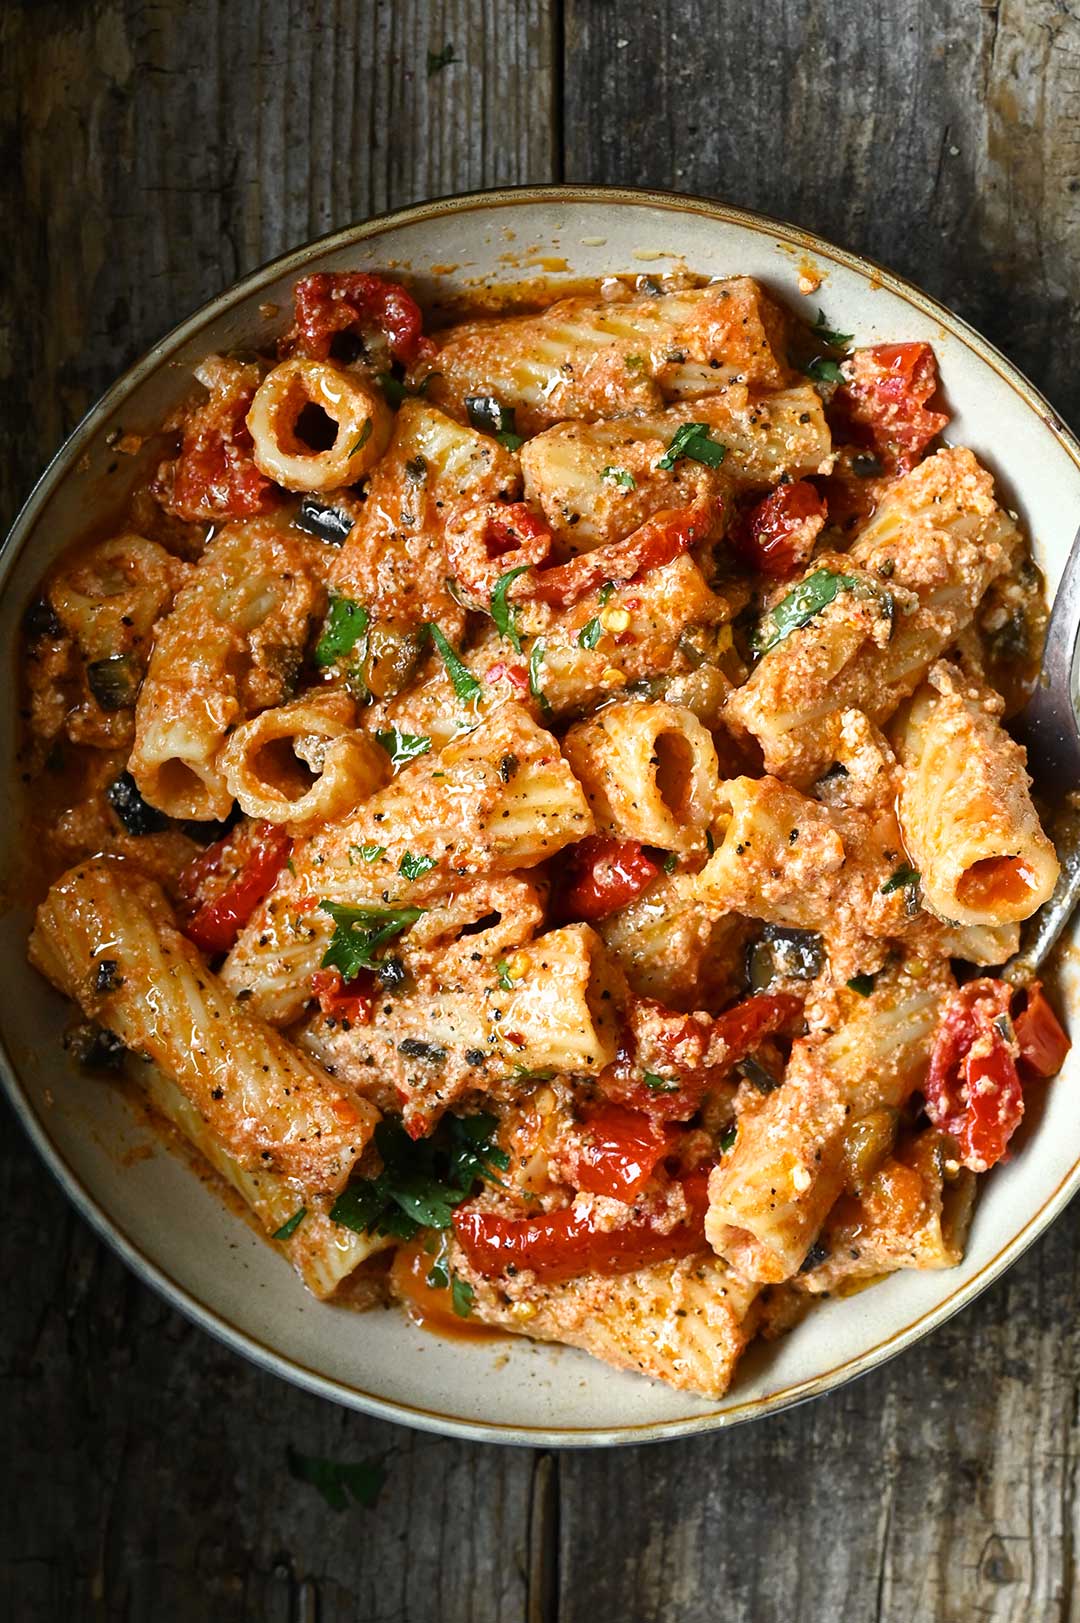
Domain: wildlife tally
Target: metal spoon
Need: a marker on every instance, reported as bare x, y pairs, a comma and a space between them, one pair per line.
1048, 726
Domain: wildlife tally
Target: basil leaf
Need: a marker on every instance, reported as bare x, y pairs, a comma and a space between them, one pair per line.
670, 862
402, 747
660, 1084
828, 335
287, 1230
415, 867
621, 477
438, 1277
508, 441
395, 391
693, 440
358, 931
503, 613
728, 1137
904, 877
346, 623
423, 1181
605, 592
362, 438
536, 659
462, 680
437, 60
590, 634
800, 606
367, 852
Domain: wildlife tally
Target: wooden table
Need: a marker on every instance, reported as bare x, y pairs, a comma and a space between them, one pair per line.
156, 150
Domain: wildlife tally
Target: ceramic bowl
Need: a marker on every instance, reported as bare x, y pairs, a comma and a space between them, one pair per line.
148, 1203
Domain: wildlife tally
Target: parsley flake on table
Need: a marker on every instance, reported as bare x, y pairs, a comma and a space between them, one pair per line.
338, 1482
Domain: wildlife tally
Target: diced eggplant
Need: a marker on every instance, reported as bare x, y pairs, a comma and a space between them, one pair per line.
783, 954
137, 817
330, 524
114, 682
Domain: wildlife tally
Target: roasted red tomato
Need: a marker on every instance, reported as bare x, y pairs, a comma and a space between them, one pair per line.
332, 302
885, 393
605, 874
561, 1245
215, 477
669, 1061
1043, 1044
227, 882
619, 1152
777, 536
658, 541
972, 1088
338, 999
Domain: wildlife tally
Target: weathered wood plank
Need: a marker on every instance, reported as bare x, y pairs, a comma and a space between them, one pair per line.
155, 152
941, 140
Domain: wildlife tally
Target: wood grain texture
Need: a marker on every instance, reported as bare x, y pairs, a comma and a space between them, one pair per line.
154, 152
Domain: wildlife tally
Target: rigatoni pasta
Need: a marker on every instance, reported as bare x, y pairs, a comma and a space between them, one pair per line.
536, 807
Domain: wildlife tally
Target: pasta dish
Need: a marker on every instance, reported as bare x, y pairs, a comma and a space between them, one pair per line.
529, 803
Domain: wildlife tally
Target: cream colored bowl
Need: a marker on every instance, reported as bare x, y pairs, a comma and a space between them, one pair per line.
173, 1230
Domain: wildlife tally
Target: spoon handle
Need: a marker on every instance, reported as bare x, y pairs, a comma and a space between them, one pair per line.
1048, 727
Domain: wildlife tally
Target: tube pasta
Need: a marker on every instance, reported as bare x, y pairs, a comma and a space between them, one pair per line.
106, 938
580, 358
230, 646
554, 1011
934, 545
965, 806
498, 798
297, 391
323, 1253
303, 762
649, 772
674, 946
770, 1196
595, 482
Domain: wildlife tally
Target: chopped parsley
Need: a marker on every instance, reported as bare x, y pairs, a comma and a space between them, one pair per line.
367, 852
362, 438
904, 878
621, 477
590, 634
422, 1181
358, 931
862, 984
503, 613
287, 1230
438, 60
402, 747
337, 1483
728, 1137
503, 975
824, 370
670, 862
415, 867
660, 1084
395, 391
828, 335
462, 680
605, 592
462, 1296
346, 623
694, 440
536, 659
800, 606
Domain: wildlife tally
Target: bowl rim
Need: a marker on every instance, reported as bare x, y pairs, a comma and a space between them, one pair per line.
211, 1320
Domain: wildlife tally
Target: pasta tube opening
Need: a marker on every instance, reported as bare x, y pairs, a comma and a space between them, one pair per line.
316, 427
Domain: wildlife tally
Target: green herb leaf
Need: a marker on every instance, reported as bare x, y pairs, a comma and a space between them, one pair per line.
634, 363
605, 592
904, 877
728, 1137
421, 1182
503, 613
358, 931
824, 370
363, 1481
542, 1073
462, 680
862, 984
395, 391
800, 606
536, 659
621, 477
503, 975
462, 1297
671, 862
402, 747
438, 1276
694, 440
828, 335
346, 623
509, 441
590, 634
287, 1230
660, 1084
362, 438
367, 852
437, 60
415, 867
